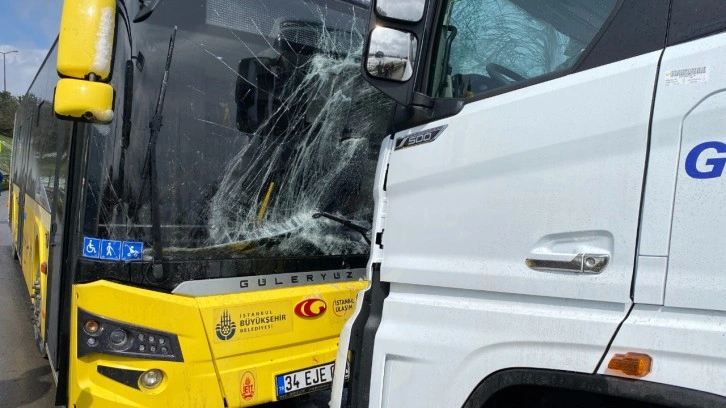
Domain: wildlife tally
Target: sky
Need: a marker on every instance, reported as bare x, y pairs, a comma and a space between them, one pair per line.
393, 43
407, 10
30, 27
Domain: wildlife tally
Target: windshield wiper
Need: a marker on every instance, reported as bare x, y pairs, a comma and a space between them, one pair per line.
346, 223
150, 168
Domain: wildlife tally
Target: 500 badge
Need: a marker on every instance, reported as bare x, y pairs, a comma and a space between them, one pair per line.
419, 138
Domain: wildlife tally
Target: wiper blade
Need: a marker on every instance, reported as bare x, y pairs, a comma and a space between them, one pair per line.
151, 168
346, 223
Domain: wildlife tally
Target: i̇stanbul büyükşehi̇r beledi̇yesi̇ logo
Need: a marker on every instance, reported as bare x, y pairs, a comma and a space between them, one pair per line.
225, 328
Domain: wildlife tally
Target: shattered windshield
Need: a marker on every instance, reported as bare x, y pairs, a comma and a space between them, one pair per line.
266, 123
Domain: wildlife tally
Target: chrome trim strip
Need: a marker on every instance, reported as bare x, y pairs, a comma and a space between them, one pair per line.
242, 284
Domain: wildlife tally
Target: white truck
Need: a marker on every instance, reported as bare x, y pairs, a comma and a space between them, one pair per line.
549, 227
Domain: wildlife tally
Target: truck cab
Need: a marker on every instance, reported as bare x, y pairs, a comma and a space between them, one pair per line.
547, 207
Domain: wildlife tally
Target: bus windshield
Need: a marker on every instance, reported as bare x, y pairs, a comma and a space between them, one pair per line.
266, 123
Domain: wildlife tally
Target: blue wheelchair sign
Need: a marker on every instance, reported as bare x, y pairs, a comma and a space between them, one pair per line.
91, 247
110, 250
132, 251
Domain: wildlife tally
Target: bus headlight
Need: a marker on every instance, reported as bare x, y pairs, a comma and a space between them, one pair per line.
118, 337
97, 334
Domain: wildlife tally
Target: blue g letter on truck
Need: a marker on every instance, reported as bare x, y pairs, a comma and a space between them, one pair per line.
717, 163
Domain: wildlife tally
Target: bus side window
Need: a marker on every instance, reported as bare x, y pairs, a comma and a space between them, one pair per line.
17, 148
47, 151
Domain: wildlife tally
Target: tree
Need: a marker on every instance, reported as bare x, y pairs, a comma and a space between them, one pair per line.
8, 106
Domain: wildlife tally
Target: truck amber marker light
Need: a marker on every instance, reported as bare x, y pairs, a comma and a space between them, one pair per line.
635, 364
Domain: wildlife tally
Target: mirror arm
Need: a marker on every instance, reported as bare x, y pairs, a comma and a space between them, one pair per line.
422, 100
410, 116
425, 109
446, 107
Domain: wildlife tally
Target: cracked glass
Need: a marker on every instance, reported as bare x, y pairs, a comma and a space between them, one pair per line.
266, 122
487, 45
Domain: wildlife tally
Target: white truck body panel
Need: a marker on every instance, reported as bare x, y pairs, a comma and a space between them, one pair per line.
545, 170
650, 278
434, 346
672, 104
683, 218
696, 258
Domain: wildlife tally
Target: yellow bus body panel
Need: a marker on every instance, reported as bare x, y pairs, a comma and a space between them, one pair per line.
240, 368
270, 339
35, 251
192, 383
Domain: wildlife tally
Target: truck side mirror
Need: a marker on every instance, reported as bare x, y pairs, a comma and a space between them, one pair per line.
85, 52
391, 54
393, 46
403, 10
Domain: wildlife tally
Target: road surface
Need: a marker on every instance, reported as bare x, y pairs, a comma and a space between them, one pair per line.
25, 378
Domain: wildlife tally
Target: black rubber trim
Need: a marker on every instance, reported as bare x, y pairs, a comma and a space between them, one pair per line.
385, 178
69, 251
639, 27
362, 337
644, 182
693, 19
636, 390
124, 376
620, 325
56, 245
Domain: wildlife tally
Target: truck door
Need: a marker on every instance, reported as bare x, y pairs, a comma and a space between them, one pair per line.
511, 224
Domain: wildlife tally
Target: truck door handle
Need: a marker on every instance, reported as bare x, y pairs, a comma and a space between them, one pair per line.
579, 263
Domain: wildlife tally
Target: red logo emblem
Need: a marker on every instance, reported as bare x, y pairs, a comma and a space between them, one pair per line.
247, 386
311, 308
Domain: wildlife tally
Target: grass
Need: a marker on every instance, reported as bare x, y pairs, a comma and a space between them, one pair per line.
5, 153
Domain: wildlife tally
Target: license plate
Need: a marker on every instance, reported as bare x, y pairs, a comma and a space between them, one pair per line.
304, 381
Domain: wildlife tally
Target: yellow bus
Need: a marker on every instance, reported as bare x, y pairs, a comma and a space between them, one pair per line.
191, 198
